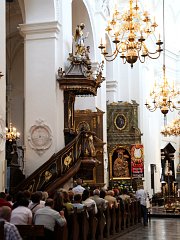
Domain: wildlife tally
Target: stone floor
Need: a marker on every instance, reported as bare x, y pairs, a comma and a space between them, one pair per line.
158, 229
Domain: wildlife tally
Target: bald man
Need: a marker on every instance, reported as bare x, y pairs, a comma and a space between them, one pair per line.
10, 230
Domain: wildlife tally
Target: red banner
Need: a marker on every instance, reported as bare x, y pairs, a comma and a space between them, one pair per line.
137, 160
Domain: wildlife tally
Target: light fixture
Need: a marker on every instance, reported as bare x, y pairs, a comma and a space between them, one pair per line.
129, 31
163, 95
11, 133
172, 129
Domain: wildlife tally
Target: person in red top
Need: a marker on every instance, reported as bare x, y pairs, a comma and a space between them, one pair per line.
3, 201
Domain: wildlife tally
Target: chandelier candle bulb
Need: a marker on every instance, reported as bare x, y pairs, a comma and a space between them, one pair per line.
11, 133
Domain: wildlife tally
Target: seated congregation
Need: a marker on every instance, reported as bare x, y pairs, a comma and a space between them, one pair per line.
75, 214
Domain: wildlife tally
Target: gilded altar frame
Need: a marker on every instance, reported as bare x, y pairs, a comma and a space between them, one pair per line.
111, 177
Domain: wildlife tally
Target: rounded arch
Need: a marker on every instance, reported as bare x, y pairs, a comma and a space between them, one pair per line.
79, 7
21, 5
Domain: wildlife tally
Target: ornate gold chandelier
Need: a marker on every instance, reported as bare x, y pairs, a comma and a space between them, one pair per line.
172, 129
164, 95
129, 32
11, 133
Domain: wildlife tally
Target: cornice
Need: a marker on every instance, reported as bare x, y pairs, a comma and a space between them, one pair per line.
34, 31
111, 85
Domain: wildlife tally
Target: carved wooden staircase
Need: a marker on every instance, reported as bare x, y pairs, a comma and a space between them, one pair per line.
62, 166
78, 79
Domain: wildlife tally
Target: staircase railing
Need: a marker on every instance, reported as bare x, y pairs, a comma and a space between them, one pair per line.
61, 166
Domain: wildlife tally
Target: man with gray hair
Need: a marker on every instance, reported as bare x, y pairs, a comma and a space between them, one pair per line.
10, 230
100, 202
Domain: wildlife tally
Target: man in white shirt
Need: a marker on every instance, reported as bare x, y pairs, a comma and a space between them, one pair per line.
87, 201
141, 195
48, 217
78, 189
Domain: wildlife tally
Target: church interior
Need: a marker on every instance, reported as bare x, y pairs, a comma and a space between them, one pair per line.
90, 89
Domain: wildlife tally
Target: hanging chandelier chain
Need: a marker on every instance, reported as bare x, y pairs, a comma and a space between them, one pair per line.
163, 96
164, 44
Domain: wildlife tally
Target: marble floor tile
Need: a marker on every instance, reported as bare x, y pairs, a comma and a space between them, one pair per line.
158, 229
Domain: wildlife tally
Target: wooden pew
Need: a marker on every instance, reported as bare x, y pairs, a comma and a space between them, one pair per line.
93, 222
31, 232
131, 220
61, 232
73, 225
77, 225
113, 219
133, 207
127, 214
125, 217
108, 222
118, 218
83, 222
1, 229
101, 223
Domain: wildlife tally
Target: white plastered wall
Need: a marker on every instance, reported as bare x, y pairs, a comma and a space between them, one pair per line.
47, 42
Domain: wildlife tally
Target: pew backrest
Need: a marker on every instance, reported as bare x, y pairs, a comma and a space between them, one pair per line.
1, 229
30, 232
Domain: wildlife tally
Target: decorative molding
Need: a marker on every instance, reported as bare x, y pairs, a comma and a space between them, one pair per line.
34, 31
40, 137
111, 86
105, 8
102, 6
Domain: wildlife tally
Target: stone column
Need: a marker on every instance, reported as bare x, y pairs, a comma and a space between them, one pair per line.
2, 95
44, 111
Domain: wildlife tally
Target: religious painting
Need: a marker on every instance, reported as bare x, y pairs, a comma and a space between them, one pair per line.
137, 160
120, 164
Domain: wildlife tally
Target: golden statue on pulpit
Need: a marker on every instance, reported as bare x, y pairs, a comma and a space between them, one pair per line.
79, 40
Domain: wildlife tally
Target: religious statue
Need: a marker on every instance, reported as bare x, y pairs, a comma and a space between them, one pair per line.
14, 155
79, 40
